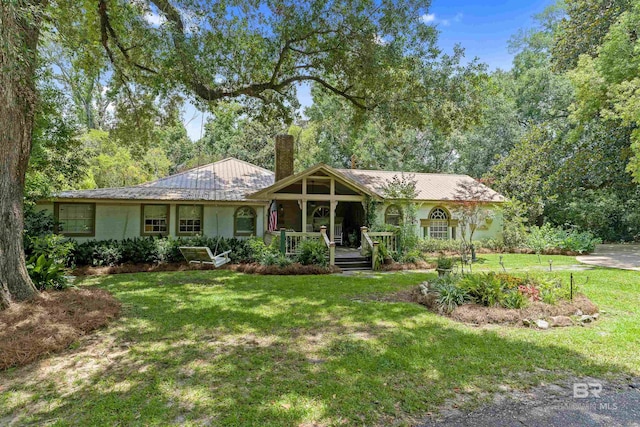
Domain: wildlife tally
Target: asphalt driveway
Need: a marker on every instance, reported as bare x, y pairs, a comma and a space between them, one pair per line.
626, 257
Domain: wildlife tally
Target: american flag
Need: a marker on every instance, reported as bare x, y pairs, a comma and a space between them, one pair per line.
273, 216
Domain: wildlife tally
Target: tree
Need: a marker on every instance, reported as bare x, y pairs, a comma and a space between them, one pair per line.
19, 33
582, 30
364, 51
471, 208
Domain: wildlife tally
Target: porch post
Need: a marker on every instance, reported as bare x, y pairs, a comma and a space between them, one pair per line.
304, 215
332, 219
304, 205
283, 241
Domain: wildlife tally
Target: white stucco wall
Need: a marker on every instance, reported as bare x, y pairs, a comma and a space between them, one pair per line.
122, 220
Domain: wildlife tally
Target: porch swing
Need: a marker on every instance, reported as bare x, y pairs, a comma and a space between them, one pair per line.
203, 254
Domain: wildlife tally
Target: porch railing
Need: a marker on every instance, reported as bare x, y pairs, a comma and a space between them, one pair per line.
387, 238
330, 245
369, 247
290, 241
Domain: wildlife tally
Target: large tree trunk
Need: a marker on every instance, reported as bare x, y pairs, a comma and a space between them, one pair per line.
19, 32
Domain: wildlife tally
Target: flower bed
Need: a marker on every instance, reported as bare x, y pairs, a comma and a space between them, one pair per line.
504, 298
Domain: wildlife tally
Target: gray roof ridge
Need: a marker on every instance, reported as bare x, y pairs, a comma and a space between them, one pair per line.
404, 172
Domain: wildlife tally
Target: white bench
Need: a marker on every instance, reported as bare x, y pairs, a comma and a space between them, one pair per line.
203, 255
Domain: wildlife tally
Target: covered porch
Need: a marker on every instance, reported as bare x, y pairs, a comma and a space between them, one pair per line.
317, 197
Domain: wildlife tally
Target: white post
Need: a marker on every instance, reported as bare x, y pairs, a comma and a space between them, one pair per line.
304, 216
332, 219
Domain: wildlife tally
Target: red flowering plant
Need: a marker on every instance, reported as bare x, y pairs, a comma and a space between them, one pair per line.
530, 291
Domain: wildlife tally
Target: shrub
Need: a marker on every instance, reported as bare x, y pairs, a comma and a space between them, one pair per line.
46, 273
437, 245
107, 255
312, 252
157, 250
580, 242
530, 291
53, 246
255, 249
37, 223
484, 289
445, 262
450, 296
541, 239
274, 258
412, 257
513, 299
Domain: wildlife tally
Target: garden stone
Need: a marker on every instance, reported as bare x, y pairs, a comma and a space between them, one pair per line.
579, 312
424, 288
595, 316
542, 324
560, 321
526, 322
585, 318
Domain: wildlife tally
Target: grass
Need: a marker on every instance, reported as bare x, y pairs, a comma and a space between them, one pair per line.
223, 348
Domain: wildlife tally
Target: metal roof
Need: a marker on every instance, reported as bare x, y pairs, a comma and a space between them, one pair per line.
429, 186
226, 180
234, 180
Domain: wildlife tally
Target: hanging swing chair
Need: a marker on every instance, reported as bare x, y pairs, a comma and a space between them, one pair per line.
203, 254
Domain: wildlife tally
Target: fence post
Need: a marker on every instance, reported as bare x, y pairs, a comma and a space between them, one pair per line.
374, 254
332, 253
283, 241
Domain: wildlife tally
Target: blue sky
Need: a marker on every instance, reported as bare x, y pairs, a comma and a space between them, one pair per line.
483, 28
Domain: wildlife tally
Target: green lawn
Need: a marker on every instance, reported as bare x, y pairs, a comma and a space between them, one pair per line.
222, 348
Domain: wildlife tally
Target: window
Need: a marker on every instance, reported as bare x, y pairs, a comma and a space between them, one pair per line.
189, 219
245, 221
439, 224
75, 219
393, 215
155, 219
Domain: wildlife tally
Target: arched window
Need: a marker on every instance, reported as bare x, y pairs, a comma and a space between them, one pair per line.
245, 221
439, 224
393, 215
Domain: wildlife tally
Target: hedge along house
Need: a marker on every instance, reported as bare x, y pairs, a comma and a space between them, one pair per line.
233, 198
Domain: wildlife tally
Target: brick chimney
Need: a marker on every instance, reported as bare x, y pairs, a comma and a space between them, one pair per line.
284, 156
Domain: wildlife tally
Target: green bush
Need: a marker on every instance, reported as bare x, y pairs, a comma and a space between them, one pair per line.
412, 257
450, 295
514, 299
46, 273
313, 252
437, 245
53, 246
445, 262
484, 289
546, 237
142, 250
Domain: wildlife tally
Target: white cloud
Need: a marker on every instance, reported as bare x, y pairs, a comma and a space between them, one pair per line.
431, 18
458, 17
428, 18
154, 19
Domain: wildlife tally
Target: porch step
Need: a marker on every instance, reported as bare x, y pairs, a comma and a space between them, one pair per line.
354, 263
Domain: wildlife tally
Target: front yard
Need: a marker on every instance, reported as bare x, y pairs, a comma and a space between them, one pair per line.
224, 348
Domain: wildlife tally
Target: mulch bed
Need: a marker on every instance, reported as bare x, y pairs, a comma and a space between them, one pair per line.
141, 268
293, 269
252, 268
51, 322
481, 315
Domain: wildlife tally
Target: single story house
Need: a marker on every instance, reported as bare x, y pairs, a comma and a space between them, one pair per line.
233, 198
